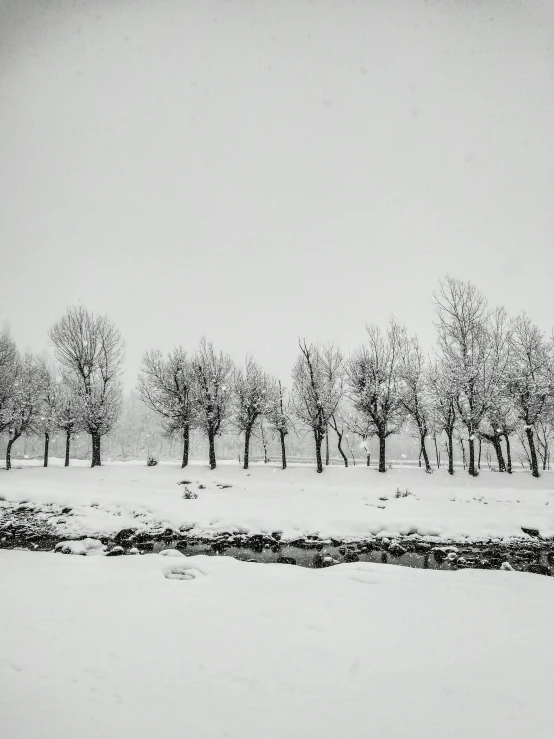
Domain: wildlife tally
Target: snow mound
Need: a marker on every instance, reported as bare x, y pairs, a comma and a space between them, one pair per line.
83, 547
182, 571
171, 553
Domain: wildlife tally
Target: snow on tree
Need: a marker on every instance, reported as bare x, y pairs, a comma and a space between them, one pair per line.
465, 343
530, 379
254, 398
317, 389
375, 383
213, 397
442, 388
414, 392
23, 407
498, 419
166, 385
67, 418
47, 423
8, 361
278, 417
90, 351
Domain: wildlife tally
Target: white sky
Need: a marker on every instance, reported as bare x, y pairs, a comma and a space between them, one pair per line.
257, 170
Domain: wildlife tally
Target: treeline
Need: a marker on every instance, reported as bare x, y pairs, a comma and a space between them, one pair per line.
489, 380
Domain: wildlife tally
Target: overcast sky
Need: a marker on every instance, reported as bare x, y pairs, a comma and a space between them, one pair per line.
258, 170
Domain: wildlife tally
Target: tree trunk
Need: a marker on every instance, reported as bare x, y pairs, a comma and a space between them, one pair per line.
96, 460
46, 445
342, 454
9, 452
67, 444
531, 441
479, 460
247, 433
186, 445
437, 455
211, 442
382, 458
425, 455
463, 453
499, 456
472, 471
368, 459
327, 446
508, 454
283, 451
318, 441
449, 435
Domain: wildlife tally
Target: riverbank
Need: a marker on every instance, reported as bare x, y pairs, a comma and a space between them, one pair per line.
342, 504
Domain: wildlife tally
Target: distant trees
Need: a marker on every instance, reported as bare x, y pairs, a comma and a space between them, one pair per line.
167, 386
255, 398
317, 389
213, 377
491, 380
90, 351
375, 384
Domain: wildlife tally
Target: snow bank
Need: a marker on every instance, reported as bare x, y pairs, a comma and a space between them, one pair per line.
355, 502
83, 547
93, 646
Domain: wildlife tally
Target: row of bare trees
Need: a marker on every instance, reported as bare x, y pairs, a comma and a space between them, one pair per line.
490, 379
205, 391
82, 393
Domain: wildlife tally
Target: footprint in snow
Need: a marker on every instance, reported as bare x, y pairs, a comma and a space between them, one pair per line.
182, 571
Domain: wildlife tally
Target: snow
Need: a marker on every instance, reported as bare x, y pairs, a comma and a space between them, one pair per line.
82, 546
110, 647
353, 502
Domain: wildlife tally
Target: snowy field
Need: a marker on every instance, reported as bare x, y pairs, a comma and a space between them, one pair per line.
100, 647
353, 502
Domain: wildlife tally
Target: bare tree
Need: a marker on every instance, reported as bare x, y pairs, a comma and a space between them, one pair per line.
414, 395
254, 398
494, 422
545, 435
8, 362
317, 389
338, 424
530, 379
213, 375
279, 420
22, 411
374, 380
47, 423
166, 385
465, 342
91, 352
443, 396
67, 415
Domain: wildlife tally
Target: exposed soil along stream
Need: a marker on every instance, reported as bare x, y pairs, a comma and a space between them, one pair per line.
22, 527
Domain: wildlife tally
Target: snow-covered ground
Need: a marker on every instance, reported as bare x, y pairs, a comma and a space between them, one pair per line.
100, 647
353, 502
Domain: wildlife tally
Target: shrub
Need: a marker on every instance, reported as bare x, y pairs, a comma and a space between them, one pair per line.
151, 461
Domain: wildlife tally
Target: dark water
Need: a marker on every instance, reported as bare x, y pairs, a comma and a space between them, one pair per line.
22, 529
475, 556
